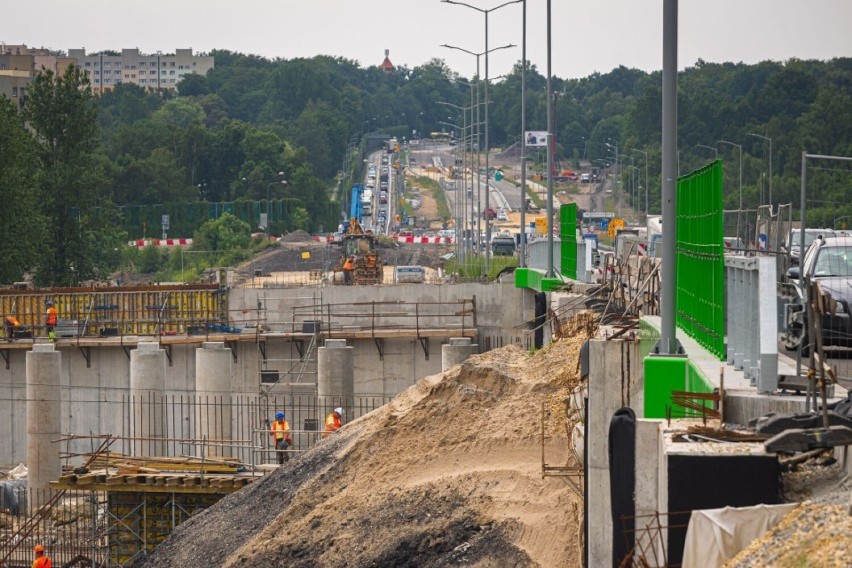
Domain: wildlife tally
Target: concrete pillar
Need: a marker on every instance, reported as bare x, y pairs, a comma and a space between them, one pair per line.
147, 392
336, 375
457, 352
613, 374
213, 389
44, 420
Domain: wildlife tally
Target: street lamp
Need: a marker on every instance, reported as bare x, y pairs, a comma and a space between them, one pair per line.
715, 151
645, 154
770, 161
487, 185
477, 55
740, 148
268, 204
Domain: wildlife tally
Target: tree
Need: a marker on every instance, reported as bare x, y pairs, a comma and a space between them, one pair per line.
223, 234
20, 215
63, 119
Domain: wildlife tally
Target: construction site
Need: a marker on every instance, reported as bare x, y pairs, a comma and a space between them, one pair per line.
526, 421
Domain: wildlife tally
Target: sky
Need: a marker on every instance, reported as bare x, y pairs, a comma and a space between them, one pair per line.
595, 36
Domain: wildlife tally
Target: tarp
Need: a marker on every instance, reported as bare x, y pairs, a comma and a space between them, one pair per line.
715, 536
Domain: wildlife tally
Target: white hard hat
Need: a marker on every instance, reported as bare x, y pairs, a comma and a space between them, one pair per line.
339, 411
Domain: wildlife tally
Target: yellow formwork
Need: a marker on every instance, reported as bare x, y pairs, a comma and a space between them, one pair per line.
143, 310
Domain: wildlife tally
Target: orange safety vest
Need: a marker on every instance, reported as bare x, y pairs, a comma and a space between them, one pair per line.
13, 321
42, 562
281, 431
348, 265
51, 316
332, 424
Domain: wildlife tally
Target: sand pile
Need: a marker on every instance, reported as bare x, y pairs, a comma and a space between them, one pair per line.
447, 473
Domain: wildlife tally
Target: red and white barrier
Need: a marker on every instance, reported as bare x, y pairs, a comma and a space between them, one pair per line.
425, 240
160, 243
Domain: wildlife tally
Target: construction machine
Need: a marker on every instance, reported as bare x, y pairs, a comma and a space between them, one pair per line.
360, 245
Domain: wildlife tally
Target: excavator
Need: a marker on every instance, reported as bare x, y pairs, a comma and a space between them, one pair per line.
360, 244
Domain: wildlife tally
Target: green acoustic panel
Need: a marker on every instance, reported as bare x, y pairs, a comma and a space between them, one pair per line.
662, 376
535, 280
700, 266
568, 239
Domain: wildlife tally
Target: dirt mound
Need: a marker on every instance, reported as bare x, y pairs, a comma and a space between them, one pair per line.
449, 472
298, 236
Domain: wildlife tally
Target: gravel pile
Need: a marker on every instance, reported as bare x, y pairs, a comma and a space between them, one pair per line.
447, 473
298, 236
810, 535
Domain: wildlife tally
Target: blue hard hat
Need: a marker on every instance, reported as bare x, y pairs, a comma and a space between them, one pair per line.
279, 415
49, 303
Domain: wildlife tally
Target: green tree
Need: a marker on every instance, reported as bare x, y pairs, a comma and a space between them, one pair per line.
63, 119
20, 215
223, 234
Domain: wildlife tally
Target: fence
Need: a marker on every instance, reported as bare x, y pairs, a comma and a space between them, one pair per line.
700, 258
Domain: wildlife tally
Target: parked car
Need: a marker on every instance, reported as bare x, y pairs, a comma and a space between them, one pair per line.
794, 241
829, 262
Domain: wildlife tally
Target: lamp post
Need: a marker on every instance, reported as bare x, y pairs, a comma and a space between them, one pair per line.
268, 204
715, 151
645, 154
522, 254
740, 148
614, 146
487, 177
770, 161
477, 55
461, 195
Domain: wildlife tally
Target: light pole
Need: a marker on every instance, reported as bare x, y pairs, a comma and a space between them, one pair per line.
477, 55
522, 254
715, 151
770, 161
614, 146
645, 154
487, 176
461, 194
740, 148
268, 204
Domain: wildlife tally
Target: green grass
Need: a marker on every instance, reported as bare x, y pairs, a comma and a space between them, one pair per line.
437, 192
473, 267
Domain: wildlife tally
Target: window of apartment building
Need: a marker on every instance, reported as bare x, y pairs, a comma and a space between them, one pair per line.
172, 64
171, 80
117, 72
194, 63
152, 72
141, 64
143, 80
118, 63
172, 72
88, 64
97, 71
98, 81
163, 72
133, 76
97, 63
14, 91
106, 63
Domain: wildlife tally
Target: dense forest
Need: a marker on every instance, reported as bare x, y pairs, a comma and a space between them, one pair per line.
87, 173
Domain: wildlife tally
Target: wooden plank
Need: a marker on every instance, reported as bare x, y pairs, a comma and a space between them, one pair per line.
115, 480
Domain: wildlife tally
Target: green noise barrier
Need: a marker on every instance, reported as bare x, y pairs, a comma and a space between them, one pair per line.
700, 258
568, 238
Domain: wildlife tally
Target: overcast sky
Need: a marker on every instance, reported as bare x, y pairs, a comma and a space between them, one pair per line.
596, 35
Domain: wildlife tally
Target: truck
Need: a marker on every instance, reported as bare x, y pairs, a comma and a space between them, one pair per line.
360, 245
503, 244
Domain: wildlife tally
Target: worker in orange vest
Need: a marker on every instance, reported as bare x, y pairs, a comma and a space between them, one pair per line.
333, 422
50, 321
12, 325
41, 561
348, 267
280, 431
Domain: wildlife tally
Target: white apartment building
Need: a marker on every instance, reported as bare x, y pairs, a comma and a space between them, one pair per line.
150, 71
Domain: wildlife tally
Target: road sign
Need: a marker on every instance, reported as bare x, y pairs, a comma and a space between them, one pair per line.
614, 226
604, 224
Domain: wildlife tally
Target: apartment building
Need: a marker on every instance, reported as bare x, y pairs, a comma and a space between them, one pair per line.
19, 64
150, 71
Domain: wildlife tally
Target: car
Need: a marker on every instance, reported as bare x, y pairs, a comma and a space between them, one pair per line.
794, 241
502, 216
829, 262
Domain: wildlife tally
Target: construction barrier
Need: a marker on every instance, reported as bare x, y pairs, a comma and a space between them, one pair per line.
138, 310
425, 240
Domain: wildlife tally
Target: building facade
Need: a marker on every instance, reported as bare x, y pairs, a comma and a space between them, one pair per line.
19, 64
152, 71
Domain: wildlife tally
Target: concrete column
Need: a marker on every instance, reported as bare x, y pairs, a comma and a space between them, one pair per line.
213, 388
457, 352
612, 375
44, 420
147, 392
336, 375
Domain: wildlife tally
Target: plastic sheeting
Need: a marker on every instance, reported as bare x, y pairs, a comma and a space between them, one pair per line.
715, 536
